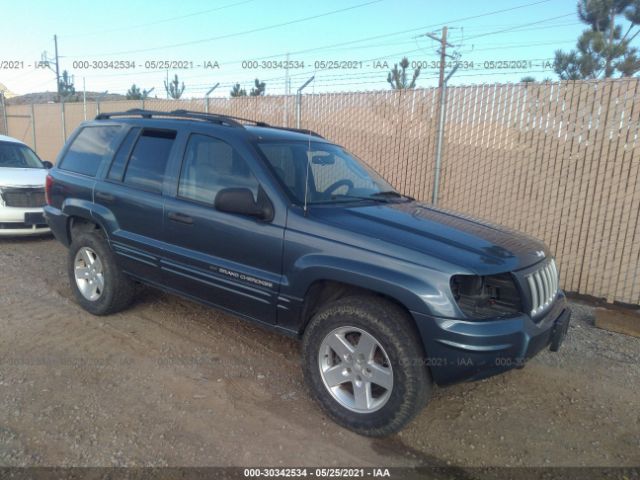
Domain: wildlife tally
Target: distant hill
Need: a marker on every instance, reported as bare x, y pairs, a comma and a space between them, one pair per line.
50, 97
6, 92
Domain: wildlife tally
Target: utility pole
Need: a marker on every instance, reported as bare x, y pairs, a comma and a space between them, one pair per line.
443, 53
55, 41
442, 90
46, 61
84, 98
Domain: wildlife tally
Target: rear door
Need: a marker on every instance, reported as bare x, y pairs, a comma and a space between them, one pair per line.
230, 260
131, 198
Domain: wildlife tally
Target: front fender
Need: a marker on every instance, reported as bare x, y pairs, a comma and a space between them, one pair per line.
417, 288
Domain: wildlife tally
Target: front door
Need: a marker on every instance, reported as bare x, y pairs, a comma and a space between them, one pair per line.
229, 260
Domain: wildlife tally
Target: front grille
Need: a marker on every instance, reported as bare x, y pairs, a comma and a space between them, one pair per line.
543, 287
24, 197
21, 226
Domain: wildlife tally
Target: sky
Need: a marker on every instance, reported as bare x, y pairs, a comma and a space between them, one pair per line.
343, 44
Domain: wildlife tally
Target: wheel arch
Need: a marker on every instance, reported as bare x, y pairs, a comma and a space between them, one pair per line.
324, 291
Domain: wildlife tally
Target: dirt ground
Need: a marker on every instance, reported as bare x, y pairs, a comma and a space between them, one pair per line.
169, 382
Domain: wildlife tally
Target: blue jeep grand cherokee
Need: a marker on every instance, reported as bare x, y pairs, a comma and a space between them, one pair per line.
291, 231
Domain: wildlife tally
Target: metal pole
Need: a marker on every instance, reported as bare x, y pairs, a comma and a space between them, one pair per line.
206, 97
145, 94
299, 101
98, 98
64, 123
286, 92
84, 98
440, 137
33, 125
4, 114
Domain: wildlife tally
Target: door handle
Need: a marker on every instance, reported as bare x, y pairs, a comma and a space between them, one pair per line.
106, 197
180, 217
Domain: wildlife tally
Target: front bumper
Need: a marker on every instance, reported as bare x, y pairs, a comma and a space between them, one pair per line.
460, 350
18, 221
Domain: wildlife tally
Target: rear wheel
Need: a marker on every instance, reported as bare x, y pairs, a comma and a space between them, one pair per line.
364, 362
96, 281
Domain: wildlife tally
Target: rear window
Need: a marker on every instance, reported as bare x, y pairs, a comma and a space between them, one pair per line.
88, 149
149, 159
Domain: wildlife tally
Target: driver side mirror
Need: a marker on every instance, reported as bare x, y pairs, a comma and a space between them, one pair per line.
47, 164
240, 201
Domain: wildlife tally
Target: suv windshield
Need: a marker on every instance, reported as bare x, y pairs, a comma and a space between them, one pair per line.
15, 155
334, 174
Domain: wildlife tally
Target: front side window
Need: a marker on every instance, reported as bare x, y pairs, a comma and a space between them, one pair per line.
149, 159
334, 175
16, 155
211, 165
88, 149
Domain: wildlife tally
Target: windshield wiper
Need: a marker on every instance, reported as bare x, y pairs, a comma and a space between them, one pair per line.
362, 197
391, 193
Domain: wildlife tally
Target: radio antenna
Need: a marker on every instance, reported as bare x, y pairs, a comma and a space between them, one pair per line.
298, 119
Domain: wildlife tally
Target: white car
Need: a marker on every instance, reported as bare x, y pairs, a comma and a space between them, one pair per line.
22, 181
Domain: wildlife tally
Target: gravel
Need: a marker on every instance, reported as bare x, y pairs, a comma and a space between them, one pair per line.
169, 382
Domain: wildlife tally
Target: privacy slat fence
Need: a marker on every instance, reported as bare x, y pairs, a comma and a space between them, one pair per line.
560, 161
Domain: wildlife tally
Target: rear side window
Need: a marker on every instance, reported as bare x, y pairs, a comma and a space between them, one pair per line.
149, 159
120, 160
88, 149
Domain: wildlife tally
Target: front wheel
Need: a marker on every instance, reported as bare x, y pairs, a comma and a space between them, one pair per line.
364, 362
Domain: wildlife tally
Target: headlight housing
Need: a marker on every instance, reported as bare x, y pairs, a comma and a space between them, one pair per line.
483, 297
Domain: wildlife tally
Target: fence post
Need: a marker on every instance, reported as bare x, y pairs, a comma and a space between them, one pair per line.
33, 126
299, 101
4, 114
84, 99
64, 123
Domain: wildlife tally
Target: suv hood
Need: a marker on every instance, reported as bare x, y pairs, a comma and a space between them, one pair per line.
472, 244
22, 177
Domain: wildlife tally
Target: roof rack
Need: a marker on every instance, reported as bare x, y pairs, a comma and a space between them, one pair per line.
217, 118
298, 130
207, 117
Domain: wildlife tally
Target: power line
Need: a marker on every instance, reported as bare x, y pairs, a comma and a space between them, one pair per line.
236, 34
400, 32
351, 42
157, 22
523, 45
496, 32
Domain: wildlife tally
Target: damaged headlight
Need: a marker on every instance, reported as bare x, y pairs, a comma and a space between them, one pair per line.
486, 297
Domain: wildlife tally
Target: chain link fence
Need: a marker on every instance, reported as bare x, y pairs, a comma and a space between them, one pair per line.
560, 161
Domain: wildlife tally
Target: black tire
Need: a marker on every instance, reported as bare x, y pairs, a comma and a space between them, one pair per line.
119, 289
393, 330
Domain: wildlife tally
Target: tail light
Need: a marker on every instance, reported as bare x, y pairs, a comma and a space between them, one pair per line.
47, 189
